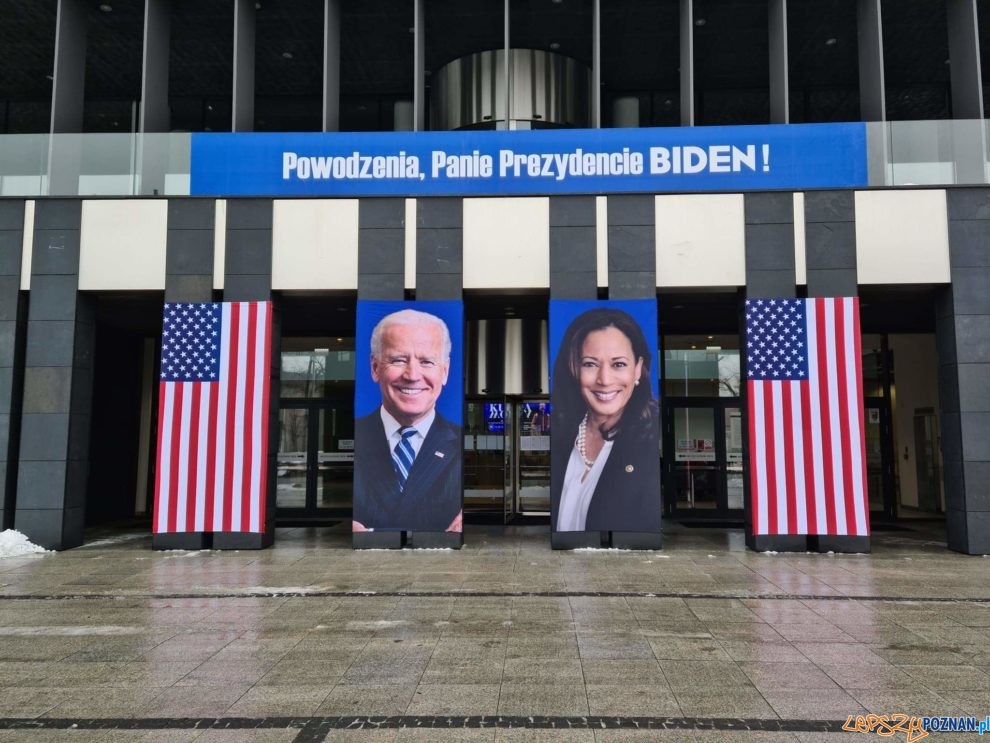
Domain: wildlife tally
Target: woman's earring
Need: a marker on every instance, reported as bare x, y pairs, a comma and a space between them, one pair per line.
637, 383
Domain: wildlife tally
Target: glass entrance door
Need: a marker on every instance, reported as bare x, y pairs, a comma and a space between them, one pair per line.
879, 457
703, 459
532, 444
315, 460
486, 460
507, 457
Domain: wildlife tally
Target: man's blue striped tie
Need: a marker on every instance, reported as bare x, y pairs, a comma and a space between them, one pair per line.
403, 455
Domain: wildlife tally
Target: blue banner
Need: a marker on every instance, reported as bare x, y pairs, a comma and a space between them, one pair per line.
475, 163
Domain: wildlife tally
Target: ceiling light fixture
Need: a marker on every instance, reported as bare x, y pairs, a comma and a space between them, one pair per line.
286, 55
831, 41
700, 22
554, 45
106, 7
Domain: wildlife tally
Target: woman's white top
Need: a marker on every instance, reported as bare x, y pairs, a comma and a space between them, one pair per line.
576, 495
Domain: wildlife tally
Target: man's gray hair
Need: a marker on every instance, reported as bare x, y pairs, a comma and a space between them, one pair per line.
409, 317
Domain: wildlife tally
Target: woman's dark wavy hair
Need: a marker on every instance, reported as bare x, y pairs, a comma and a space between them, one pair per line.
569, 406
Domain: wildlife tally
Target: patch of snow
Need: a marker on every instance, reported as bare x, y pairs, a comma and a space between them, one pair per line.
107, 541
376, 624
15, 544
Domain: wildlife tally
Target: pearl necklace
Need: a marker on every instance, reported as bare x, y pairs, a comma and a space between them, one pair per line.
581, 443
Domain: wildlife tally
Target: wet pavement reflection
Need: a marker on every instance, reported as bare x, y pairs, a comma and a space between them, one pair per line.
703, 629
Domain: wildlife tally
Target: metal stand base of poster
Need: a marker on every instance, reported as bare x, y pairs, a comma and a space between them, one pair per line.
190, 540
572, 540
434, 540
239, 540
777, 542
378, 540
636, 540
843, 544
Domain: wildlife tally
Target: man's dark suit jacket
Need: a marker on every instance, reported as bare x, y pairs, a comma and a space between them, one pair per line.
627, 497
433, 494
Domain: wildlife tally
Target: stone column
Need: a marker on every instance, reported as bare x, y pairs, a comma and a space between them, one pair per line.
248, 278
188, 278
963, 340
58, 384
381, 275
632, 274
13, 318
573, 275
439, 276
830, 249
770, 273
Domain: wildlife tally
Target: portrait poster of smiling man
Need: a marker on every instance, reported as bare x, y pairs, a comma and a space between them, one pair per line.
605, 430
408, 406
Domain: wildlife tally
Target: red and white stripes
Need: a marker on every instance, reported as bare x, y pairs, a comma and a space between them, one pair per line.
807, 446
213, 435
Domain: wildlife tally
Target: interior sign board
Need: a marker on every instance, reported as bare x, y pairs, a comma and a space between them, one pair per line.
474, 163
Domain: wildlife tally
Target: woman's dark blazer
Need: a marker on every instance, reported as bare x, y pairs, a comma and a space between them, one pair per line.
627, 496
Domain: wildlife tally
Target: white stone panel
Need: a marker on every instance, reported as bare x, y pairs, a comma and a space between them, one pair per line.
800, 244
122, 244
506, 243
315, 244
701, 240
27, 241
902, 237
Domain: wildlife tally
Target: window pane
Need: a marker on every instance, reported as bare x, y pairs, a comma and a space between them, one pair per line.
701, 366
317, 367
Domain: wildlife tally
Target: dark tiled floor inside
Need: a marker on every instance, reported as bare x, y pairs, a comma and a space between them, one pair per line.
288, 643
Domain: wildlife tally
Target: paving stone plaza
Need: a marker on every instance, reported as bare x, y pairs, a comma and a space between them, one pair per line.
504, 640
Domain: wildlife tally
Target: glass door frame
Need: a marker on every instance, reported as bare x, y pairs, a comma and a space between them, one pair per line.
313, 408
718, 406
514, 486
888, 499
505, 513
511, 447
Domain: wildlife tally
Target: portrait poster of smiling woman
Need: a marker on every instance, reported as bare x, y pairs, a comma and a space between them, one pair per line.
605, 445
408, 403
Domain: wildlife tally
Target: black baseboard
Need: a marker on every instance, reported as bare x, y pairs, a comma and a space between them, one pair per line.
378, 540
777, 542
572, 540
241, 540
189, 540
842, 544
434, 540
636, 540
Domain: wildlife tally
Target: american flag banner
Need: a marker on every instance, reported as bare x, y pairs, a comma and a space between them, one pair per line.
213, 417
807, 452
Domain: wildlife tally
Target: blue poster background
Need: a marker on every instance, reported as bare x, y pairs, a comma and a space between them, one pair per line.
718, 158
367, 393
625, 493
643, 311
